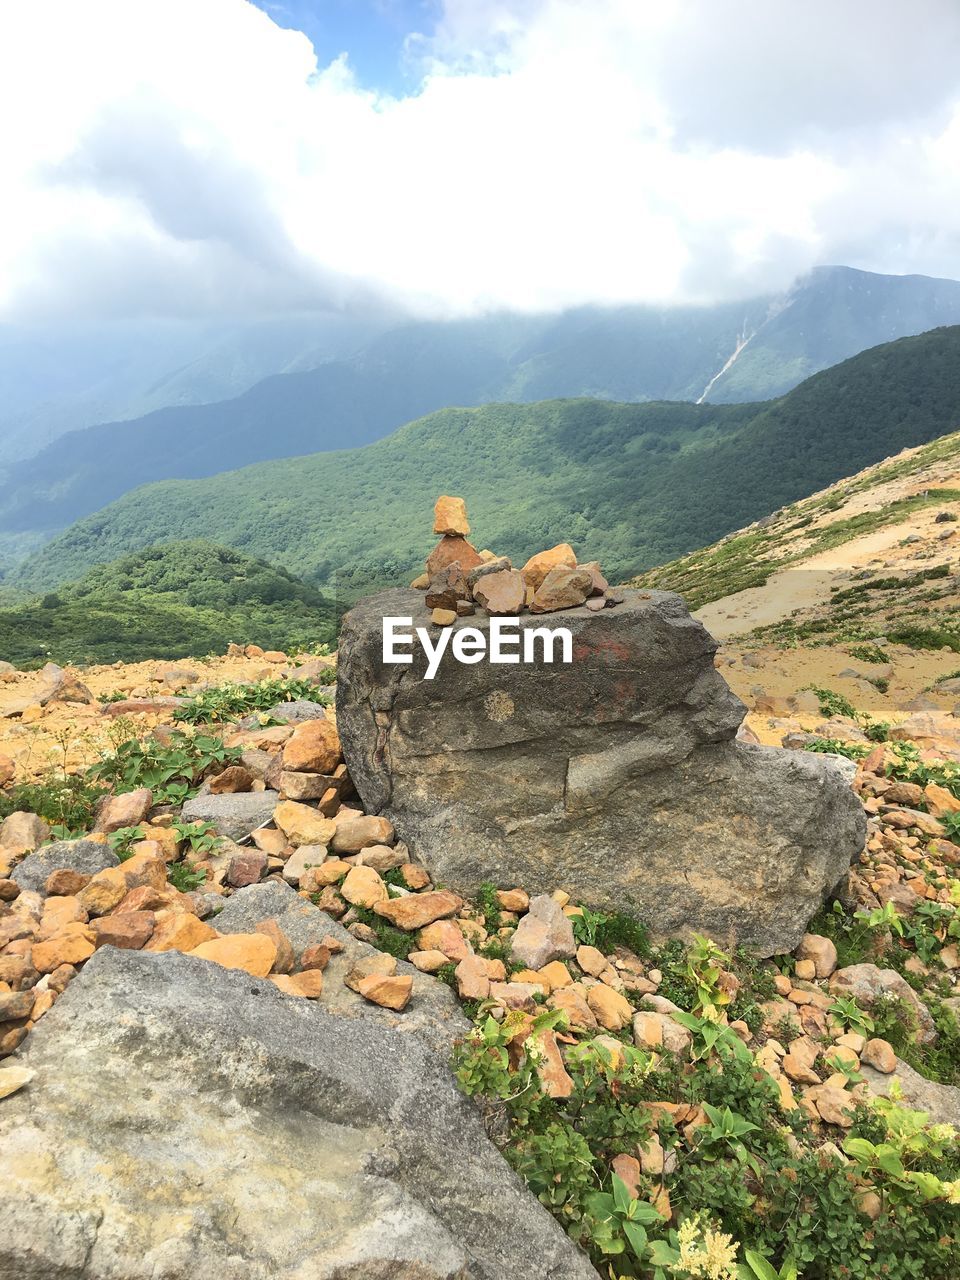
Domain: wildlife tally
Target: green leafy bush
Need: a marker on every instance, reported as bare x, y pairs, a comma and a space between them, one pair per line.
227, 701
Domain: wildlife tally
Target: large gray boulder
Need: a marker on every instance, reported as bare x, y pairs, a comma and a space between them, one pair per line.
235, 815
433, 1012
941, 1102
86, 856
187, 1122
616, 777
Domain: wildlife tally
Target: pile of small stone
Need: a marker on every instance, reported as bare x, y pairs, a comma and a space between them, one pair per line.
459, 579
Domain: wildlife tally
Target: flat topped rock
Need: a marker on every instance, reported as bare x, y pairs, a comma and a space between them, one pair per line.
616, 776
85, 856
188, 1120
233, 815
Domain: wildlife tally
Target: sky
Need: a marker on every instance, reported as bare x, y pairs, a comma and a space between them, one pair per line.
453, 157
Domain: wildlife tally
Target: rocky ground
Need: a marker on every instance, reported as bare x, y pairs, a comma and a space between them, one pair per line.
382, 935
218, 934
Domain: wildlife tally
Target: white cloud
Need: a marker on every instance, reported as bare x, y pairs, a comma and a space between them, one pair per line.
188, 156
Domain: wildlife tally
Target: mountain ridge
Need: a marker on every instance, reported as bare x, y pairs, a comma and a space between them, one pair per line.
630, 354
630, 485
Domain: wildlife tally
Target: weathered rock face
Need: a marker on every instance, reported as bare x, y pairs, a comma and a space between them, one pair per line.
191, 1123
616, 776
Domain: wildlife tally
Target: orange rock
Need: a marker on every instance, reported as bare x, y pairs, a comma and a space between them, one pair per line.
148, 898
301, 824
419, 909
414, 877
428, 961
502, 593
252, 952
285, 960
360, 833
573, 1003
552, 1073
232, 781
879, 1054
57, 914
271, 841
554, 975
561, 589
940, 801
178, 931
538, 566
449, 549
443, 935
513, 899
389, 992
66, 948
64, 883
327, 873
129, 930
313, 747
378, 964
43, 1003
473, 982
600, 583
627, 1169
308, 984
610, 1008
329, 900
450, 517
363, 887
106, 890
126, 810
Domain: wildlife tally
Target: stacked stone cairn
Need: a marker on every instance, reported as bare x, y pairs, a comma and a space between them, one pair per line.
459, 579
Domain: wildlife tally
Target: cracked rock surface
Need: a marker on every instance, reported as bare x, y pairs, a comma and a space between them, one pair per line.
616, 776
187, 1122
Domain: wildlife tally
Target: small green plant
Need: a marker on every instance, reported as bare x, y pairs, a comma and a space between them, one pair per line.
868, 653
185, 878
837, 747
201, 837
622, 930
727, 1129
706, 964
122, 840
172, 769
757, 1267
489, 906
833, 703
618, 1220
227, 701
885, 917
66, 802
846, 1010
585, 926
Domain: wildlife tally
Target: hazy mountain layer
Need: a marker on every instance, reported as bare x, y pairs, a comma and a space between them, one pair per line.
736, 352
630, 485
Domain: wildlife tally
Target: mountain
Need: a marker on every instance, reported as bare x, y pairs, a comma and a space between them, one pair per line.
832, 314
188, 597
875, 555
631, 485
55, 379
728, 353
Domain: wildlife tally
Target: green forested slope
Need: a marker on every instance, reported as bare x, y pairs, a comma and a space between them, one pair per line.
169, 601
635, 354
631, 485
